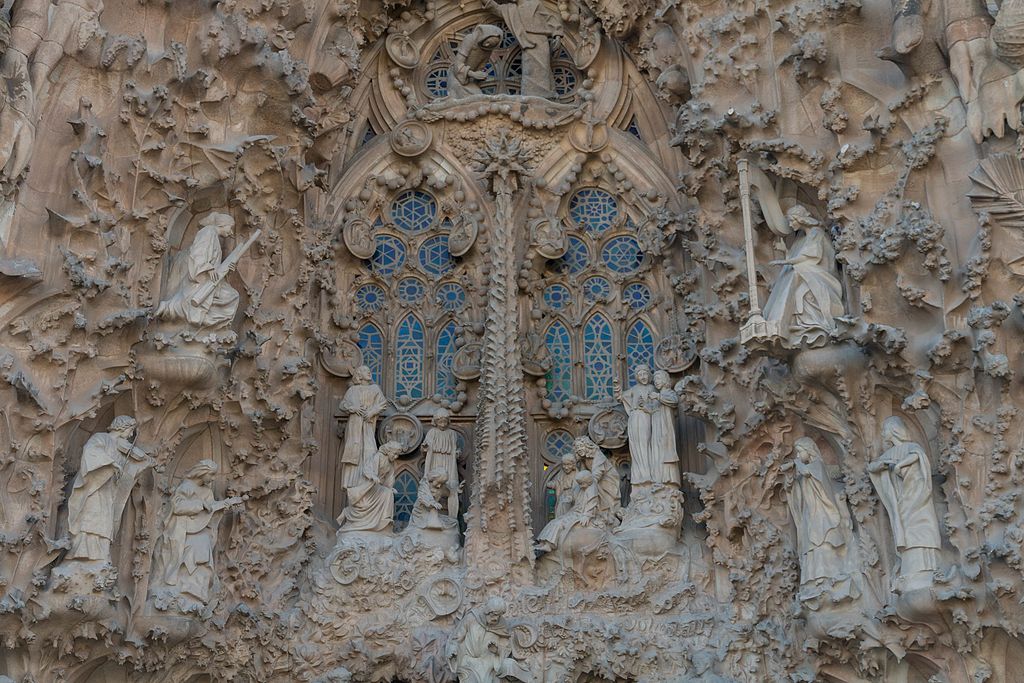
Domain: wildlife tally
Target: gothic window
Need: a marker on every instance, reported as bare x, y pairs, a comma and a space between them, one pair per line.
576, 257
597, 290
634, 130
598, 358
389, 256
639, 347
413, 211
560, 347
371, 343
406, 488
411, 291
637, 296
370, 298
593, 210
409, 352
435, 257
622, 254
451, 296
557, 297
557, 444
445, 352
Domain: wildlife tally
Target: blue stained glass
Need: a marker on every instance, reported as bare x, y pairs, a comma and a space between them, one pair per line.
370, 298
371, 343
451, 296
596, 289
622, 254
637, 296
413, 211
410, 290
409, 348
593, 209
575, 259
557, 296
557, 443
560, 348
406, 490
435, 257
369, 134
598, 358
437, 81
550, 503
634, 130
639, 347
445, 353
507, 39
389, 256
565, 80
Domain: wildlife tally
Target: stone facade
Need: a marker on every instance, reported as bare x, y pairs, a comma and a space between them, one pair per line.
553, 342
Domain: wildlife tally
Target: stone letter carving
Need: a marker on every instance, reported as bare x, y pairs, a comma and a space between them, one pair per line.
902, 476
203, 299
480, 649
533, 25
807, 296
110, 464
364, 402
371, 502
189, 536
442, 451
470, 58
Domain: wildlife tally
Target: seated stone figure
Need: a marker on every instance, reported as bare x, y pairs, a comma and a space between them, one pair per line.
480, 648
428, 518
371, 502
584, 512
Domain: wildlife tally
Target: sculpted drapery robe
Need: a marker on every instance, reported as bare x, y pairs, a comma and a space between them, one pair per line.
481, 652
91, 512
360, 437
202, 261
583, 513
807, 296
645, 467
663, 437
606, 481
818, 522
442, 450
371, 502
189, 540
533, 24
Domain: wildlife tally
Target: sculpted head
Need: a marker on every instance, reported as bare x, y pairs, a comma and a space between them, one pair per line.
662, 379
569, 463
642, 373
362, 375
224, 223
800, 217
123, 426
391, 449
203, 471
895, 432
494, 610
441, 418
806, 450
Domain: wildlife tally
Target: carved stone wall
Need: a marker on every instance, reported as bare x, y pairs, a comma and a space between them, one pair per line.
557, 342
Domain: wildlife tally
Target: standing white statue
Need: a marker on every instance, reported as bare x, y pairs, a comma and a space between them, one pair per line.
371, 502
107, 473
606, 478
817, 517
190, 533
480, 649
538, 30
902, 476
640, 403
364, 402
203, 298
441, 446
807, 296
663, 429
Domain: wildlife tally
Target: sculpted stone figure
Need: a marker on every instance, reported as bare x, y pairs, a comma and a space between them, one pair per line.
807, 295
902, 476
428, 512
480, 649
663, 428
816, 514
471, 58
371, 502
651, 434
364, 402
441, 446
564, 484
110, 464
190, 534
535, 27
606, 477
202, 298
583, 512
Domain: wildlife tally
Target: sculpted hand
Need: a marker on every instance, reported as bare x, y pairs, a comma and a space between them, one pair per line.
996, 108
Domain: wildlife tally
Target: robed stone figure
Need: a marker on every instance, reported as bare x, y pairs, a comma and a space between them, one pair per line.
371, 502
109, 466
535, 27
364, 402
441, 446
480, 648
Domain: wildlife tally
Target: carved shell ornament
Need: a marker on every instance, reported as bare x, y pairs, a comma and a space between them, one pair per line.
411, 138
403, 428
607, 428
346, 357
402, 50
466, 364
999, 189
357, 234
675, 353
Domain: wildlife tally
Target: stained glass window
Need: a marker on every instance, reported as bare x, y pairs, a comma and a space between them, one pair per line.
435, 257
596, 289
406, 489
593, 209
622, 254
410, 290
598, 358
413, 211
550, 503
371, 343
634, 130
437, 82
443, 361
639, 347
451, 296
370, 298
409, 347
389, 256
637, 296
369, 134
560, 375
575, 259
557, 443
565, 80
557, 296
